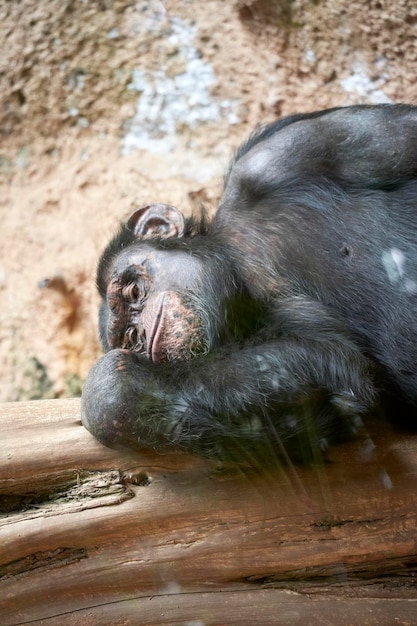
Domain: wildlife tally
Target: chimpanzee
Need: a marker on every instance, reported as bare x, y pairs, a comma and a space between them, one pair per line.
279, 322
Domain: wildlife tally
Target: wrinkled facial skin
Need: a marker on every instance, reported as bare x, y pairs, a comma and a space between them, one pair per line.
148, 306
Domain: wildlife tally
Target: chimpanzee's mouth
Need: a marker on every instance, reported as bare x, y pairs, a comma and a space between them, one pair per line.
155, 352
173, 329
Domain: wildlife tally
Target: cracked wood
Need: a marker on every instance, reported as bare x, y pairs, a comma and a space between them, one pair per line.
87, 532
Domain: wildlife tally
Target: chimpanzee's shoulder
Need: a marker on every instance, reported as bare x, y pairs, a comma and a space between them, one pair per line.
265, 131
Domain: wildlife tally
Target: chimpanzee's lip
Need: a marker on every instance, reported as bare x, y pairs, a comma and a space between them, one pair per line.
154, 348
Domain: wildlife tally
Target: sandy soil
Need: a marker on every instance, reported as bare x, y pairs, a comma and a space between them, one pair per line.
107, 106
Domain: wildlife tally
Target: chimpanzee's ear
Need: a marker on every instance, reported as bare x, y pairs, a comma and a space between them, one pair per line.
157, 220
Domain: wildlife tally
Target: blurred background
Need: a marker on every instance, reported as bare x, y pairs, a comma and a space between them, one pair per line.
106, 105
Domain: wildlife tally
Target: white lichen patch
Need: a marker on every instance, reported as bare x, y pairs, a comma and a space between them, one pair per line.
363, 88
167, 103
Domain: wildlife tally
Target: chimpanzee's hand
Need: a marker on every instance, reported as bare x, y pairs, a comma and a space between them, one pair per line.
119, 393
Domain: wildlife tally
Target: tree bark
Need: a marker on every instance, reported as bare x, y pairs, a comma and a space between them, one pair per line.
95, 536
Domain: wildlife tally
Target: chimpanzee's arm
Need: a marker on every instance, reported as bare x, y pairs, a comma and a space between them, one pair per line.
208, 403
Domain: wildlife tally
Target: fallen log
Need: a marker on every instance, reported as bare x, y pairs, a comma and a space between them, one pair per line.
95, 536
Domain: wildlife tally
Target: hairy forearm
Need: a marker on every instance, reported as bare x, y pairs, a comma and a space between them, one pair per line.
206, 404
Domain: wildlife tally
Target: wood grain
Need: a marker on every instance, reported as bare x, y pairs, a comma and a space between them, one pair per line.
90, 535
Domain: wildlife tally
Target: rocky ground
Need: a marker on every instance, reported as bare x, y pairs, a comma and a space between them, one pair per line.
107, 106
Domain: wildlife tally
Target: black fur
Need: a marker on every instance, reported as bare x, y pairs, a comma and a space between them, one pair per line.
307, 292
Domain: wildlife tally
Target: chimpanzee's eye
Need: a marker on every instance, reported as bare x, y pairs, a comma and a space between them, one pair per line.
132, 340
131, 292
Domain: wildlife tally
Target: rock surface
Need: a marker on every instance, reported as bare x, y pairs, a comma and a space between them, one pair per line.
107, 106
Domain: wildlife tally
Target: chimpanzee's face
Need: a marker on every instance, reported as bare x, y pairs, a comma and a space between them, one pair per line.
149, 303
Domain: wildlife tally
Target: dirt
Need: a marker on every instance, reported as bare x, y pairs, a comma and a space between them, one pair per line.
107, 106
